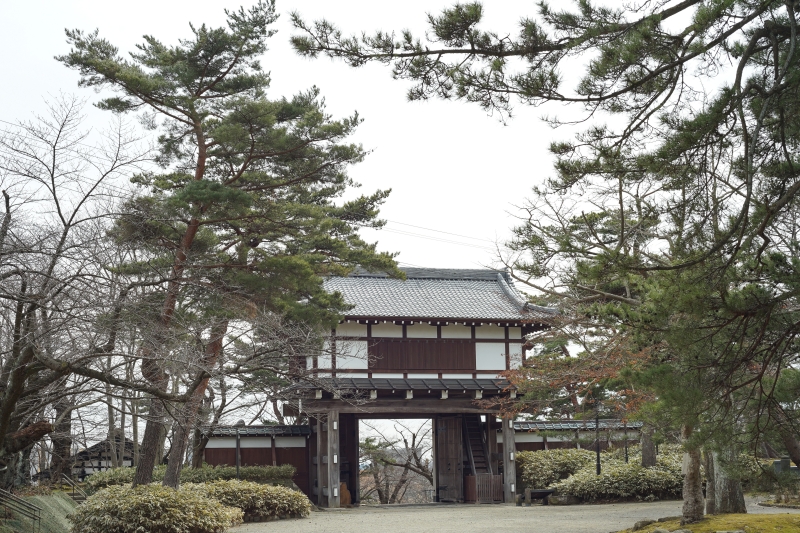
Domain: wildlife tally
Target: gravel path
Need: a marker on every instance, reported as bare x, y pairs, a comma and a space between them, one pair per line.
447, 518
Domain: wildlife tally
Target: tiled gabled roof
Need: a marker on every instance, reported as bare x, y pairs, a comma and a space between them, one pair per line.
258, 431
468, 294
586, 425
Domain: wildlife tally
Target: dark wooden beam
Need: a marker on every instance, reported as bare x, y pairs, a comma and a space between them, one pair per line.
391, 405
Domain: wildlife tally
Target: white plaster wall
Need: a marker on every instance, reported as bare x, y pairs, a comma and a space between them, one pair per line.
324, 359
254, 442
423, 376
524, 436
490, 356
515, 359
456, 376
387, 330
490, 331
421, 331
221, 442
392, 376
351, 354
290, 442
456, 332
352, 330
514, 333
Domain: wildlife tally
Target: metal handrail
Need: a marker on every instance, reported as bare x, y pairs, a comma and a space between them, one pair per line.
75, 487
26, 509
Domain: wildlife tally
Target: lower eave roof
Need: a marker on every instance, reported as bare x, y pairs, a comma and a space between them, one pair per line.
258, 431
575, 425
491, 385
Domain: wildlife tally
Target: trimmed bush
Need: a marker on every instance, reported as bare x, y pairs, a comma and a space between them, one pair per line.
154, 509
262, 474
625, 481
540, 469
256, 500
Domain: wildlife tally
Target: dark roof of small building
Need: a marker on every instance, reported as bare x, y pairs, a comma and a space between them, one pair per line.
574, 425
492, 385
259, 431
456, 294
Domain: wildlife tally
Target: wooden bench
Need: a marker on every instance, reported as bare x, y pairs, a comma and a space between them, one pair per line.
534, 494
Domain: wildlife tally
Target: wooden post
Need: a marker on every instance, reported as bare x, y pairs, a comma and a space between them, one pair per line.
491, 441
322, 461
274, 453
509, 465
355, 471
334, 459
435, 458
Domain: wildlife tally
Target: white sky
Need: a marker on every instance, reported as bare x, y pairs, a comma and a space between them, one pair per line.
451, 167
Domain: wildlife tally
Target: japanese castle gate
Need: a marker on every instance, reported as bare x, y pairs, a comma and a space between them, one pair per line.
431, 346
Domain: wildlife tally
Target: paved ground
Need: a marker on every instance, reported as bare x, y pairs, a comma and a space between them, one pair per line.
447, 518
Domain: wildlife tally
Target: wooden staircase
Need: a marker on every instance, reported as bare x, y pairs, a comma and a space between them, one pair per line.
476, 445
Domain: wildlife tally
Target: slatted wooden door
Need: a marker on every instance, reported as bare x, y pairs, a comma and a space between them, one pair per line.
450, 458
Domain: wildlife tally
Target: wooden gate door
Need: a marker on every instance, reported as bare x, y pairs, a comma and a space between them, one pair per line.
450, 458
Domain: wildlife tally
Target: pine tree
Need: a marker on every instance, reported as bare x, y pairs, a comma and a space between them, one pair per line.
244, 210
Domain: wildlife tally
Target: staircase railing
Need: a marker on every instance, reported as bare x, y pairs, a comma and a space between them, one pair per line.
76, 490
21, 507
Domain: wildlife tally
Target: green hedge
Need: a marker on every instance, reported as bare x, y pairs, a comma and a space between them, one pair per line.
262, 474
256, 500
152, 509
626, 481
540, 469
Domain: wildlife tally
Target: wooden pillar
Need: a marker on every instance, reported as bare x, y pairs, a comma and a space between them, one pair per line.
313, 461
491, 441
509, 465
328, 460
274, 453
355, 467
435, 455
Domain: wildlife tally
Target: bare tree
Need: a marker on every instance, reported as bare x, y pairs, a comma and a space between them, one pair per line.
399, 466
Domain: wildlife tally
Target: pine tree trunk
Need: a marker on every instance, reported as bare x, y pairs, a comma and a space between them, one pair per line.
199, 442
692, 486
152, 442
711, 507
189, 411
648, 447
728, 495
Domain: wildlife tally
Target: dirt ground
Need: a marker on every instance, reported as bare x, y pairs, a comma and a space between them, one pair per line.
460, 518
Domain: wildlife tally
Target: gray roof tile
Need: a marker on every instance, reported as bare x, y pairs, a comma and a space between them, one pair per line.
469, 294
538, 425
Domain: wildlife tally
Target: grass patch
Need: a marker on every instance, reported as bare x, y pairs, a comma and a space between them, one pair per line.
55, 508
764, 523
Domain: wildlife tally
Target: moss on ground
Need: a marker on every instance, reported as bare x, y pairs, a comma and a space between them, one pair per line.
759, 523
55, 508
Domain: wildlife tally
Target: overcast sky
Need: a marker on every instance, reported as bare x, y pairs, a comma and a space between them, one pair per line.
451, 168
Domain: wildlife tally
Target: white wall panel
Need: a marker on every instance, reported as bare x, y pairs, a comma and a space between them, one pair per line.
423, 376
490, 331
421, 331
290, 442
456, 332
386, 376
514, 333
221, 442
387, 330
516, 355
456, 376
352, 330
324, 359
490, 355
351, 354
254, 442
